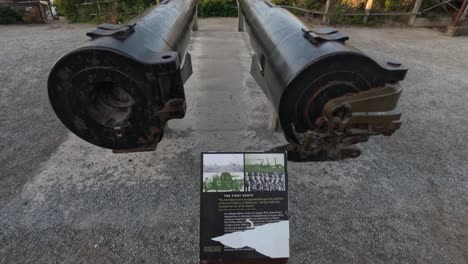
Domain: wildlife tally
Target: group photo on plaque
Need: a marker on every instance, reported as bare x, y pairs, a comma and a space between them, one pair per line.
264, 172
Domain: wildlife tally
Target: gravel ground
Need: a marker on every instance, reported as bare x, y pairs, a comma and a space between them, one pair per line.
65, 201
29, 130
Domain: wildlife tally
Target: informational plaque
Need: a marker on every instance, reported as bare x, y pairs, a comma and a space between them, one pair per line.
244, 208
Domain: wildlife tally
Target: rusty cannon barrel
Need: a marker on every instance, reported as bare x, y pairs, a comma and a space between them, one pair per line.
119, 89
328, 95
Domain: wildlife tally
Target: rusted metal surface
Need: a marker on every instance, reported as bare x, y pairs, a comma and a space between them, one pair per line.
349, 120
327, 94
461, 12
118, 90
373, 108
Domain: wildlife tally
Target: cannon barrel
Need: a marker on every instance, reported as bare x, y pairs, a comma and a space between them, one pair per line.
119, 89
327, 94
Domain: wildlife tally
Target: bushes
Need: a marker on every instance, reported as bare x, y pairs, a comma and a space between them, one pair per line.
354, 3
217, 8
122, 10
285, 2
313, 4
9, 16
107, 11
125, 9
135, 6
68, 8
350, 5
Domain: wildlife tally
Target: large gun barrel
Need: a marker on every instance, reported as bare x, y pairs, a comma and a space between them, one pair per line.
327, 94
119, 89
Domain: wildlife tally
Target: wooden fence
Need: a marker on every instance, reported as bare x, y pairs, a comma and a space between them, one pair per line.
414, 17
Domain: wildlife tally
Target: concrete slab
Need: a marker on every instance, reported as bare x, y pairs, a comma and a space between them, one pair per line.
404, 200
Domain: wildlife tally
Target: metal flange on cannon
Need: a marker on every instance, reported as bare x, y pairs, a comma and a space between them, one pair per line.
328, 95
119, 89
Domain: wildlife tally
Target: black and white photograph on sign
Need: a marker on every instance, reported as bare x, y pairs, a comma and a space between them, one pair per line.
264, 172
223, 172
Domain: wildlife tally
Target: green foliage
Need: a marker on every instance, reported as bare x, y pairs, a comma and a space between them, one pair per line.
431, 14
339, 8
354, 3
429, 3
313, 4
113, 12
68, 8
217, 8
336, 14
307, 4
9, 16
392, 5
285, 2
122, 10
135, 6
379, 5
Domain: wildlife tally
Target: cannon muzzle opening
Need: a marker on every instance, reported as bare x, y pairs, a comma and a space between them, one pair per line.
327, 94
120, 88
110, 104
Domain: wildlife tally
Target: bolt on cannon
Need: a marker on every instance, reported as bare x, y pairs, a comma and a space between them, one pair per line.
328, 95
